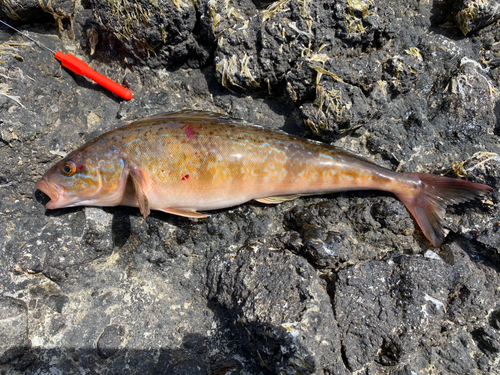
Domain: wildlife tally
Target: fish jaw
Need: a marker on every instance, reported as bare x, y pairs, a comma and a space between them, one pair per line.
58, 196
53, 191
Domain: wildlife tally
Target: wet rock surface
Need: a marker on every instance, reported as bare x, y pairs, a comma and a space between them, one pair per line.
333, 284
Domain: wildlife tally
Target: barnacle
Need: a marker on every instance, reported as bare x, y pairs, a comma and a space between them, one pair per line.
228, 70
358, 6
293, 26
232, 12
404, 64
330, 102
328, 110
233, 69
291, 91
461, 83
304, 9
399, 68
93, 36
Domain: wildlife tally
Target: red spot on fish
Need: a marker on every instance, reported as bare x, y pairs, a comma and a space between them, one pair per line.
190, 132
81, 167
185, 177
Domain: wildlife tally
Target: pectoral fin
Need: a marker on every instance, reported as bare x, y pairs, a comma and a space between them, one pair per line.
185, 213
278, 199
141, 184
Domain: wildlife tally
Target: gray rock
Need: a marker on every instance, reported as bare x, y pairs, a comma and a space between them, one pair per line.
256, 285
110, 340
14, 339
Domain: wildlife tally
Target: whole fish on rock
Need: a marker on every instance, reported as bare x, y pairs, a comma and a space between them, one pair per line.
190, 161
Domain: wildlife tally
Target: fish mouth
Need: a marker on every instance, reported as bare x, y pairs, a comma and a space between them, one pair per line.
54, 191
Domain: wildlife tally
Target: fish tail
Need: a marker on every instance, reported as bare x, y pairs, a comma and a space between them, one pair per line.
428, 205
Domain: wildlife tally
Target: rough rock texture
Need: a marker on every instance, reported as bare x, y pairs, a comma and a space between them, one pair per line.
60, 11
14, 330
337, 284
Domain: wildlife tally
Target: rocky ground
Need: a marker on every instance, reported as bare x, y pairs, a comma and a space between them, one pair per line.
337, 284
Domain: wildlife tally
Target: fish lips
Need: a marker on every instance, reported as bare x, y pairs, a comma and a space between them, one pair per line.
54, 191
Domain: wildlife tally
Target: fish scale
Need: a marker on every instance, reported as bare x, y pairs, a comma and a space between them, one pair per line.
190, 161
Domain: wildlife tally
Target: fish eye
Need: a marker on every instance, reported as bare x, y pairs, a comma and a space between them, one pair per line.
68, 168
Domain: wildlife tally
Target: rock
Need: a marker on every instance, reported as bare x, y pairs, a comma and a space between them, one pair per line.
401, 305
158, 32
110, 340
14, 339
36, 11
283, 311
471, 15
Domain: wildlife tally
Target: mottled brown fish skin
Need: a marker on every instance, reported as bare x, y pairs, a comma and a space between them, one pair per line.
188, 161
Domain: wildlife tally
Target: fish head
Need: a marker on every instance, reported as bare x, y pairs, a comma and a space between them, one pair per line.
84, 177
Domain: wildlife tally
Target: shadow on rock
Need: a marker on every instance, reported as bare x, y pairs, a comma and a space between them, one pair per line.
195, 356
120, 228
273, 309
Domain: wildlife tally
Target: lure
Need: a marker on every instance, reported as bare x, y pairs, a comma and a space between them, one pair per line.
81, 68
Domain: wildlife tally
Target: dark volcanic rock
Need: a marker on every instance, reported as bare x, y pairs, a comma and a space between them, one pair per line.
335, 284
152, 31
471, 15
61, 11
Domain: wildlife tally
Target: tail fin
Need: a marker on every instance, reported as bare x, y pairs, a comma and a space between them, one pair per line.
428, 206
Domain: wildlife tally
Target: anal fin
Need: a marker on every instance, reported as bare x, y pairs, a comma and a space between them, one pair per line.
184, 212
278, 199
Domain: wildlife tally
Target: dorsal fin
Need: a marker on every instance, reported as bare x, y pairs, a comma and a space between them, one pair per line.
187, 115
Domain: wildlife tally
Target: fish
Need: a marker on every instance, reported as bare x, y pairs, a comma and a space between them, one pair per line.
185, 162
